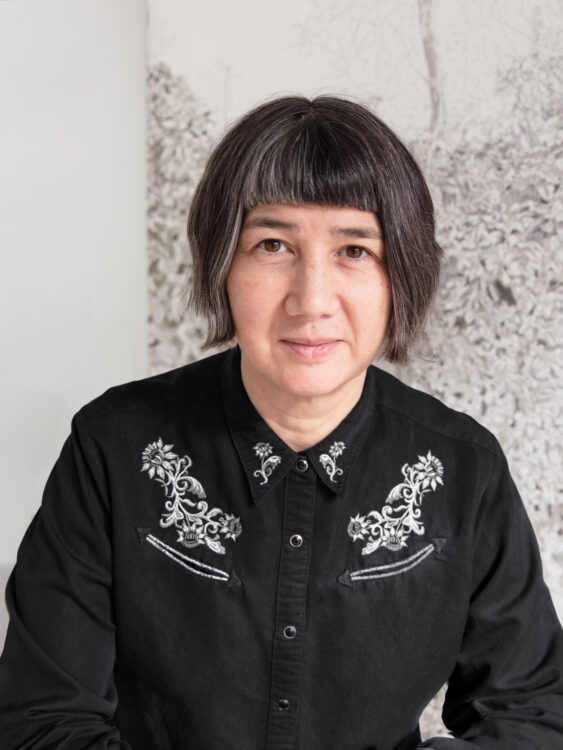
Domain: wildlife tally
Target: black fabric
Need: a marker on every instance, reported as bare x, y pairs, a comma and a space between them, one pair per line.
190, 582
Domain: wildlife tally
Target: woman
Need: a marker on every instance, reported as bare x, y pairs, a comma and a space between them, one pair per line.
281, 546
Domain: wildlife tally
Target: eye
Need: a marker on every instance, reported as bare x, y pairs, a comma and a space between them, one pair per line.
271, 246
355, 252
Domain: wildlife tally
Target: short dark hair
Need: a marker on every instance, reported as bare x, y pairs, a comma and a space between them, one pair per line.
327, 151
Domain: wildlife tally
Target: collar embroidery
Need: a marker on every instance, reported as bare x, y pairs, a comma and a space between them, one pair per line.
267, 460
400, 516
328, 460
195, 522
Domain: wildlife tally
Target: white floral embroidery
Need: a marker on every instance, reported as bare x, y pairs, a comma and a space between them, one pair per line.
267, 460
399, 517
195, 522
328, 460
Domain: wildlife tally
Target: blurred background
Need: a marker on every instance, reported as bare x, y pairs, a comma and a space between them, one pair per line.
109, 110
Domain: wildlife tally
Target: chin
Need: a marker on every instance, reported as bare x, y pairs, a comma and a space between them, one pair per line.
310, 385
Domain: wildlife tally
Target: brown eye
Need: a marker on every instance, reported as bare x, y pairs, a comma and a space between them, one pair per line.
355, 252
271, 246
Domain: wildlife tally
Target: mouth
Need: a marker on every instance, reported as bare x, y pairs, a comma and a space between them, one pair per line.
311, 349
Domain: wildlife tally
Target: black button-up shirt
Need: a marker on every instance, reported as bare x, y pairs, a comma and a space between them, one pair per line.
192, 583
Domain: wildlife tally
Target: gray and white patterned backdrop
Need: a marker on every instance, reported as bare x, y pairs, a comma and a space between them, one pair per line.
486, 84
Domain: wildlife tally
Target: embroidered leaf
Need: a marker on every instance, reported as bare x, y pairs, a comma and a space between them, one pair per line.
215, 545
195, 487
371, 547
395, 494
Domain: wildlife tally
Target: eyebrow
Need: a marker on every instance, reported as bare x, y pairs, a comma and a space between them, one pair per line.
268, 222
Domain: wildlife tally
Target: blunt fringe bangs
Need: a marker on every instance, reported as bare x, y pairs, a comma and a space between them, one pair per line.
326, 151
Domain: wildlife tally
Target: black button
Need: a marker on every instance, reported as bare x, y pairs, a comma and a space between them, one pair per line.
301, 464
296, 540
290, 631
283, 704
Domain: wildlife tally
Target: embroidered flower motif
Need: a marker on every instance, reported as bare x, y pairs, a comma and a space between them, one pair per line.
195, 522
399, 518
432, 469
358, 527
232, 526
267, 460
191, 536
328, 460
157, 457
394, 538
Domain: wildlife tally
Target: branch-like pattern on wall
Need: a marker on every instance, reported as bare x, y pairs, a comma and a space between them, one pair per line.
496, 334
178, 143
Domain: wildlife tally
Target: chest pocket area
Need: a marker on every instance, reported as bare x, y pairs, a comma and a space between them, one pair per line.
387, 570
192, 564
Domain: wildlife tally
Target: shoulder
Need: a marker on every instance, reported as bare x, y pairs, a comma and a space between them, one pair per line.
407, 404
198, 381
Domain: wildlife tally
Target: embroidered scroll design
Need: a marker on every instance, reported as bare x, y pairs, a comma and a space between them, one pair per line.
195, 522
400, 516
328, 460
268, 461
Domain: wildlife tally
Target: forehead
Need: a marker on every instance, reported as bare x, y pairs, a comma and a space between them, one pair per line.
297, 218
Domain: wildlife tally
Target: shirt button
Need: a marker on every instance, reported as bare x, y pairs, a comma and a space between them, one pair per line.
301, 464
296, 540
290, 631
283, 704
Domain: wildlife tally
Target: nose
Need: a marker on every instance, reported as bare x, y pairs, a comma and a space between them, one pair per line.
312, 291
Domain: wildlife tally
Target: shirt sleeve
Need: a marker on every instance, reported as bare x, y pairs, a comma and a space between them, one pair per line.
506, 691
56, 684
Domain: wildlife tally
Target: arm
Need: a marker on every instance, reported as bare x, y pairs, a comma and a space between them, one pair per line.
506, 691
56, 686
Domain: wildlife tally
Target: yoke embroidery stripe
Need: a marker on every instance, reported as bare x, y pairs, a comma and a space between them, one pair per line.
195, 566
393, 569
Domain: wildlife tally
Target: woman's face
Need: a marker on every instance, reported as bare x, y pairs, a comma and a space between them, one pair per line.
310, 298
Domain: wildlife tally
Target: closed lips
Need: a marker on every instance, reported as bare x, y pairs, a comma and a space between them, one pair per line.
311, 349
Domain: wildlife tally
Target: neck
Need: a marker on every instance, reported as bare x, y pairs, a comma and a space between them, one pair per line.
302, 421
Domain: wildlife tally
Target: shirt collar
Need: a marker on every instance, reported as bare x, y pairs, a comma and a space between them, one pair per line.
266, 458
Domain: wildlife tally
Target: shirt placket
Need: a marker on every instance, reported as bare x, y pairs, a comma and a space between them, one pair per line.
291, 599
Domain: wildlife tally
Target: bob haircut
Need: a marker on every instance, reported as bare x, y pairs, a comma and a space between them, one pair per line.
327, 151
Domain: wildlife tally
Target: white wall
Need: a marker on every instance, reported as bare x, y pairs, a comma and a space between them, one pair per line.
72, 227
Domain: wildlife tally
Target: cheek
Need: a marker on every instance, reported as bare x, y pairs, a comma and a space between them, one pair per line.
372, 302
250, 299
384, 294
387, 297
